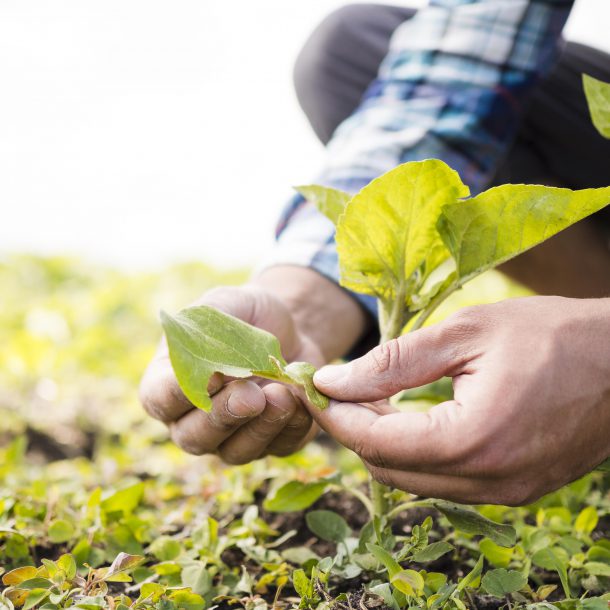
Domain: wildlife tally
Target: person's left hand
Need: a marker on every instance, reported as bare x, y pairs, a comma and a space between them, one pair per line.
531, 408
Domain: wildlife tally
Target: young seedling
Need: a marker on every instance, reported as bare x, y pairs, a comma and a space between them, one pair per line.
413, 236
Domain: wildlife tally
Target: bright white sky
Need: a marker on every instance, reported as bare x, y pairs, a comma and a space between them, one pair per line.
142, 132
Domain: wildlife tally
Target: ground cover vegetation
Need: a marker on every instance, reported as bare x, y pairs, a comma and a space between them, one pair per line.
99, 510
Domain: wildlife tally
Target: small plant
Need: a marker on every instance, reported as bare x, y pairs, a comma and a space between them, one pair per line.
410, 238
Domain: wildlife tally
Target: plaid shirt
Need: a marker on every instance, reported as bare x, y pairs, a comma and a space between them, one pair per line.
452, 87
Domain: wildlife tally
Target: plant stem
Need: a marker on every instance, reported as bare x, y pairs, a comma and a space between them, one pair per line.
362, 497
392, 319
407, 505
433, 305
378, 493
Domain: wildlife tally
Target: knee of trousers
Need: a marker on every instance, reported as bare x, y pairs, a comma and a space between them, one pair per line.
315, 62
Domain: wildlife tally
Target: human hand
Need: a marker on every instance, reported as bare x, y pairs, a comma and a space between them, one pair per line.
531, 407
248, 419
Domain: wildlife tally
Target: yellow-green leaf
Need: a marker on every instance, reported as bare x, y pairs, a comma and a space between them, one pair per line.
331, 202
408, 582
501, 223
598, 97
19, 575
203, 341
586, 521
387, 238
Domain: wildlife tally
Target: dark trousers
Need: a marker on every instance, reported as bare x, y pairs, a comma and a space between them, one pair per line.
556, 144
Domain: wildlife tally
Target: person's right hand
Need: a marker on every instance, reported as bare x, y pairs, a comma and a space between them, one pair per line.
249, 419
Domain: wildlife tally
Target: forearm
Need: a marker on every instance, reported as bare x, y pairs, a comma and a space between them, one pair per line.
322, 310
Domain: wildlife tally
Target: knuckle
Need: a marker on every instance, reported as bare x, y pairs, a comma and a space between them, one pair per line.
232, 458
300, 421
380, 475
466, 321
280, 397
185, 441
387, 357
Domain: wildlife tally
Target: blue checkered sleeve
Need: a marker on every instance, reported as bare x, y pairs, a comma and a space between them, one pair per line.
452, 86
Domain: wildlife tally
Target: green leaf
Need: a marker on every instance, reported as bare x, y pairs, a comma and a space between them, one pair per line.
385, 558
597, 568
432, 552
497, 555
503, 582
67, 563
36, 583
203, 341
91, 602
501, 223
302, 584
586, 521
294, 496
196, 577
547, 559
60, 531
35, 597
165, 548
408, 582
598, 98
186, 600
124, 500
472, 577
331, 202
471, 522
387, 239
328, 525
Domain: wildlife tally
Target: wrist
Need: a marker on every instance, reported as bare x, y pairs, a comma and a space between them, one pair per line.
322, 311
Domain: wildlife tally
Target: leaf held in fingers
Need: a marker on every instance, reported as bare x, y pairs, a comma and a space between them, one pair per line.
471, 522
331, 202
598, 98
302, 373
387, 239
203, 341
501, 223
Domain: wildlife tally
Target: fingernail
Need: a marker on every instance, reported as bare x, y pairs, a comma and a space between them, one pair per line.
329, 375
237, 407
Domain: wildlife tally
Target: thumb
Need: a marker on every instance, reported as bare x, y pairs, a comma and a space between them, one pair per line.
407, 362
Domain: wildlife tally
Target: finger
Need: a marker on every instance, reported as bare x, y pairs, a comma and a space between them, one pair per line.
463, 490
299, 430
407, 362
161, 395
237, 403
252, 440
441, 439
